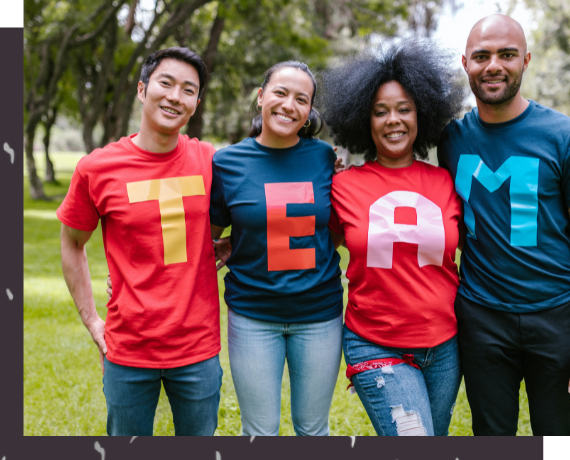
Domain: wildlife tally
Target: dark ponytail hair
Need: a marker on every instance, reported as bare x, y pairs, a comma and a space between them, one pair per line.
315, 118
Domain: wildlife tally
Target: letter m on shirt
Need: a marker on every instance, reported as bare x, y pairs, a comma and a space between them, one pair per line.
523, 193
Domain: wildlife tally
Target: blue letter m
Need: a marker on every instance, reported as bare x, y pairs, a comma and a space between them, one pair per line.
523, 192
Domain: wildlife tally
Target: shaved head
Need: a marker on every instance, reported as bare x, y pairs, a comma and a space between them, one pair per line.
495, 59
496, 25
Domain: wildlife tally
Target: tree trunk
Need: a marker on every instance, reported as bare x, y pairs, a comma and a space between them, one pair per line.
130, 22
36, 186
92, 112
50, 172
196, 122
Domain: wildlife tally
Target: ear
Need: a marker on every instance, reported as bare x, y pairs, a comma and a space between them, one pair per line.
464, 62
526, 60
141, 91
259, 96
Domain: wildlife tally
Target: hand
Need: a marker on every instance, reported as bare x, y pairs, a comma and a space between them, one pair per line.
338, 166
223, 250
110, 288
97, 330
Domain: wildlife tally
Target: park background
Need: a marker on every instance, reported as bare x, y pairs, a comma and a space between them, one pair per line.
82, 61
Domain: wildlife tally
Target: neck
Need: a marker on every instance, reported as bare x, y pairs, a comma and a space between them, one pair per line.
275, 142
499, 113
395, 163
155, 142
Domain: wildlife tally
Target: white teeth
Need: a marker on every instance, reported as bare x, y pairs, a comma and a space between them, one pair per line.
395, 135
170, 110
495, 81
283, 117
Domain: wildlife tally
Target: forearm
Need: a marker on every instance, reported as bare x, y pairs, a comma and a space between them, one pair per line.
216, 231
78, 279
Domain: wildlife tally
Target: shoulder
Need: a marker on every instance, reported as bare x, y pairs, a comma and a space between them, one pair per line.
436, 172
315, 144
550, 117
101, 157
196, 146
231, 152
354, 175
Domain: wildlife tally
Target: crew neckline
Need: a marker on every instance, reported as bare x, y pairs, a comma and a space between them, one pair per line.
128, 141
504, 124
263, 148
385, 168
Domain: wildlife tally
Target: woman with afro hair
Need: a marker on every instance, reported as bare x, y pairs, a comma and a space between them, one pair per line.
399, 218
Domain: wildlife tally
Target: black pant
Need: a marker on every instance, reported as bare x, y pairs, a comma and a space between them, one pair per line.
499, 349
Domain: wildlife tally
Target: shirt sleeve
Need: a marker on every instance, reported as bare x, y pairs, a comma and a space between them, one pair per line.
219, 212
77, 209
566, 178
334, 223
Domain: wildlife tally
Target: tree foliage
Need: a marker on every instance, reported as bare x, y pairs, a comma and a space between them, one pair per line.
83, 58
547, 79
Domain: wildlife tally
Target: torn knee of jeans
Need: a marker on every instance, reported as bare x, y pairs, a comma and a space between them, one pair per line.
387, 370
380, 382
408, 423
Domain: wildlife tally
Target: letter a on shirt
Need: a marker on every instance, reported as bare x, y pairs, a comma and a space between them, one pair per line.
428, 233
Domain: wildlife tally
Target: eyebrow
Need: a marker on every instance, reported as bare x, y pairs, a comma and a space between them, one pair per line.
186, 82
286, 89
500, 50
383, 104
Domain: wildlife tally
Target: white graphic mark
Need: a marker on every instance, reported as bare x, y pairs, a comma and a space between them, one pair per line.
99, 449
10, 296
10, 152
352, 440
251, 438
218, 456
133, 438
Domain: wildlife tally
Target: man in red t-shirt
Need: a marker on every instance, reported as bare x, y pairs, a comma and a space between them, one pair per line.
151, 191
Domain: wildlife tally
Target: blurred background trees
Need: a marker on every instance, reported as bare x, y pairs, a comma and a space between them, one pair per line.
82, 59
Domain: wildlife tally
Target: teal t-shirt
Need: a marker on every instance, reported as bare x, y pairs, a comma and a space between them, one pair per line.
514, 179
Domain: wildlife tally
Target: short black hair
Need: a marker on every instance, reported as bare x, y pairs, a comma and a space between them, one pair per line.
180, 54
316, 121
424, 70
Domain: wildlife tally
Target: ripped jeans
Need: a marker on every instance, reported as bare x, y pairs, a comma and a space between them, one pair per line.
402, 400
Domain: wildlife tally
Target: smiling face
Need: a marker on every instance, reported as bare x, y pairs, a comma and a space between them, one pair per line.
495, 59
286, 104
170, 97
394, 125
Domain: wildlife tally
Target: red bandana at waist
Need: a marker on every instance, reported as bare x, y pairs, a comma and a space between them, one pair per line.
377, 364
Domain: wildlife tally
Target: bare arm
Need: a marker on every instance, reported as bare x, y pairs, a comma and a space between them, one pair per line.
337, 239
222, 247
78, 280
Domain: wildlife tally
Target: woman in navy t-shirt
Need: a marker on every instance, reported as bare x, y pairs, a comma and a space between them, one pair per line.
283, 289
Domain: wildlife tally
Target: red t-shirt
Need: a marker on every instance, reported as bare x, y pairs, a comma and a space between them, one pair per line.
154, 211
401, 229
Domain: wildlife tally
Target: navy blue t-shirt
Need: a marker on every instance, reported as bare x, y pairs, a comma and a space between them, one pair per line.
283, 266
514, 179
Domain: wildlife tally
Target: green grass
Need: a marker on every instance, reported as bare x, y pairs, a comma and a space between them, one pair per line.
62, 379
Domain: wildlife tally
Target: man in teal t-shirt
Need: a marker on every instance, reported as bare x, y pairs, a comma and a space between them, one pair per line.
510, 159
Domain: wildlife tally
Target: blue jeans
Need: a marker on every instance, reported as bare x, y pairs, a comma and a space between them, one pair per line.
258, 350
132, 395
402, 400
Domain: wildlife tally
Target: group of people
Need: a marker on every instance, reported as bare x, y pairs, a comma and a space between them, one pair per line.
412, 327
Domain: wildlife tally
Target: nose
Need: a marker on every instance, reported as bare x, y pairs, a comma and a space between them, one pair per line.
288, 104
393, 118
494, 66
174, 94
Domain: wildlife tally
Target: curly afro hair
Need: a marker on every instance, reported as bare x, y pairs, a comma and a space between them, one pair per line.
425, 72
